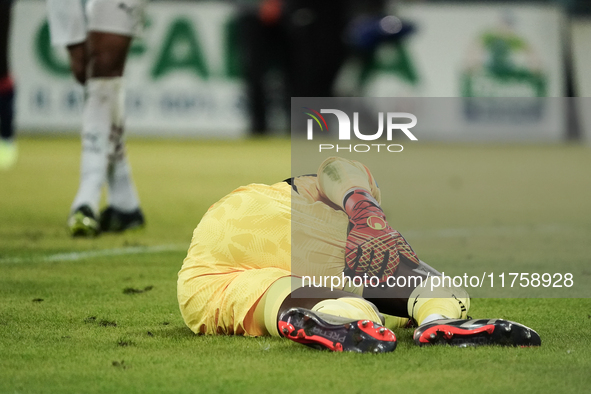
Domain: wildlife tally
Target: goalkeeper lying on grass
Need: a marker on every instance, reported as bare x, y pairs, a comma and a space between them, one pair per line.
243, 275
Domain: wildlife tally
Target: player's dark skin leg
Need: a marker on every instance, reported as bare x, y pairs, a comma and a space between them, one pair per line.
107, 53
101, 55
78, 61
394, 300
390, 300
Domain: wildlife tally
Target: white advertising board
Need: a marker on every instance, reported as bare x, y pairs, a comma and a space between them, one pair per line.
180, 75
505, 50
182, 79
581, 55
496, 51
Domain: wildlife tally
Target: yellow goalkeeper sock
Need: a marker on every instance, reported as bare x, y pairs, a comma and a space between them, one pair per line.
392, 322
440, 308
349, 307
428, 303
267, 309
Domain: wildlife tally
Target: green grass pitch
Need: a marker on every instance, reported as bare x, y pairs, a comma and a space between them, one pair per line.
100, 315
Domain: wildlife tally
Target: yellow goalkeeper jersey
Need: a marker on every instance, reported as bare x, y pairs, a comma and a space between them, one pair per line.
249, 239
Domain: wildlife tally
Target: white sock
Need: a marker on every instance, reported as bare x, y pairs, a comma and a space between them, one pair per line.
122, 192
433, 317
96, 127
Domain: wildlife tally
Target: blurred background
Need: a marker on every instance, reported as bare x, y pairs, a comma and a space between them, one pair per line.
498, 181
227, 69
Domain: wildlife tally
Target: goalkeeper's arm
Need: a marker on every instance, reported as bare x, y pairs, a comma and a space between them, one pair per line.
373, 247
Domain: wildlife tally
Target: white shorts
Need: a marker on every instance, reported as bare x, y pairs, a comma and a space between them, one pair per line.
71, 20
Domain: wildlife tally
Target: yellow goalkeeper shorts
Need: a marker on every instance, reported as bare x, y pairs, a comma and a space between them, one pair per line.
243, 245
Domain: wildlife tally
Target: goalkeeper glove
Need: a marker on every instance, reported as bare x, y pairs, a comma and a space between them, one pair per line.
373, 247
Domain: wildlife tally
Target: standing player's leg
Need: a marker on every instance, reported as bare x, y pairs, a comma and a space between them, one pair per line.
78, 61
111, 26
105, 56
8, 152
68, 27
256, 45
107, 53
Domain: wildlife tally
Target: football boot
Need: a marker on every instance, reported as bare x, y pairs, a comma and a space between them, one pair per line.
475, 332
82, 223
114, 220
323, 331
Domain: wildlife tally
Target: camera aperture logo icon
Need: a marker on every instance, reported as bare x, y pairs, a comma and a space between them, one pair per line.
315, 117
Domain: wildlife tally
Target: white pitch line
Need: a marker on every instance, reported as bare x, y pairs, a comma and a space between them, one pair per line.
77, 256
409, 234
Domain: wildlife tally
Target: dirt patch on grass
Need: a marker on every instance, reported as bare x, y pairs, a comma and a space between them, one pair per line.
125, 342
108, 323
102, 322
120, 364
132, 290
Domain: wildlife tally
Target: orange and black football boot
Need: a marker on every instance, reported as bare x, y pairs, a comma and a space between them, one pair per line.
323, 331
475, 332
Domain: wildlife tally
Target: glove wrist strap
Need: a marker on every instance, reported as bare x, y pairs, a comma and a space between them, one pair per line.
355, 196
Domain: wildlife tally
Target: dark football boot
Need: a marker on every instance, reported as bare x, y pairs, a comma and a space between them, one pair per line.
116, 221
475, 332
323, 331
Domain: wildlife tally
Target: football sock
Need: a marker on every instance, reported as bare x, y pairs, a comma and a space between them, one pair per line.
349, 307
96, 128
122, 193
426, 304
264, 319
432, 317
393, 322
267, 309
337, 176
438, 308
